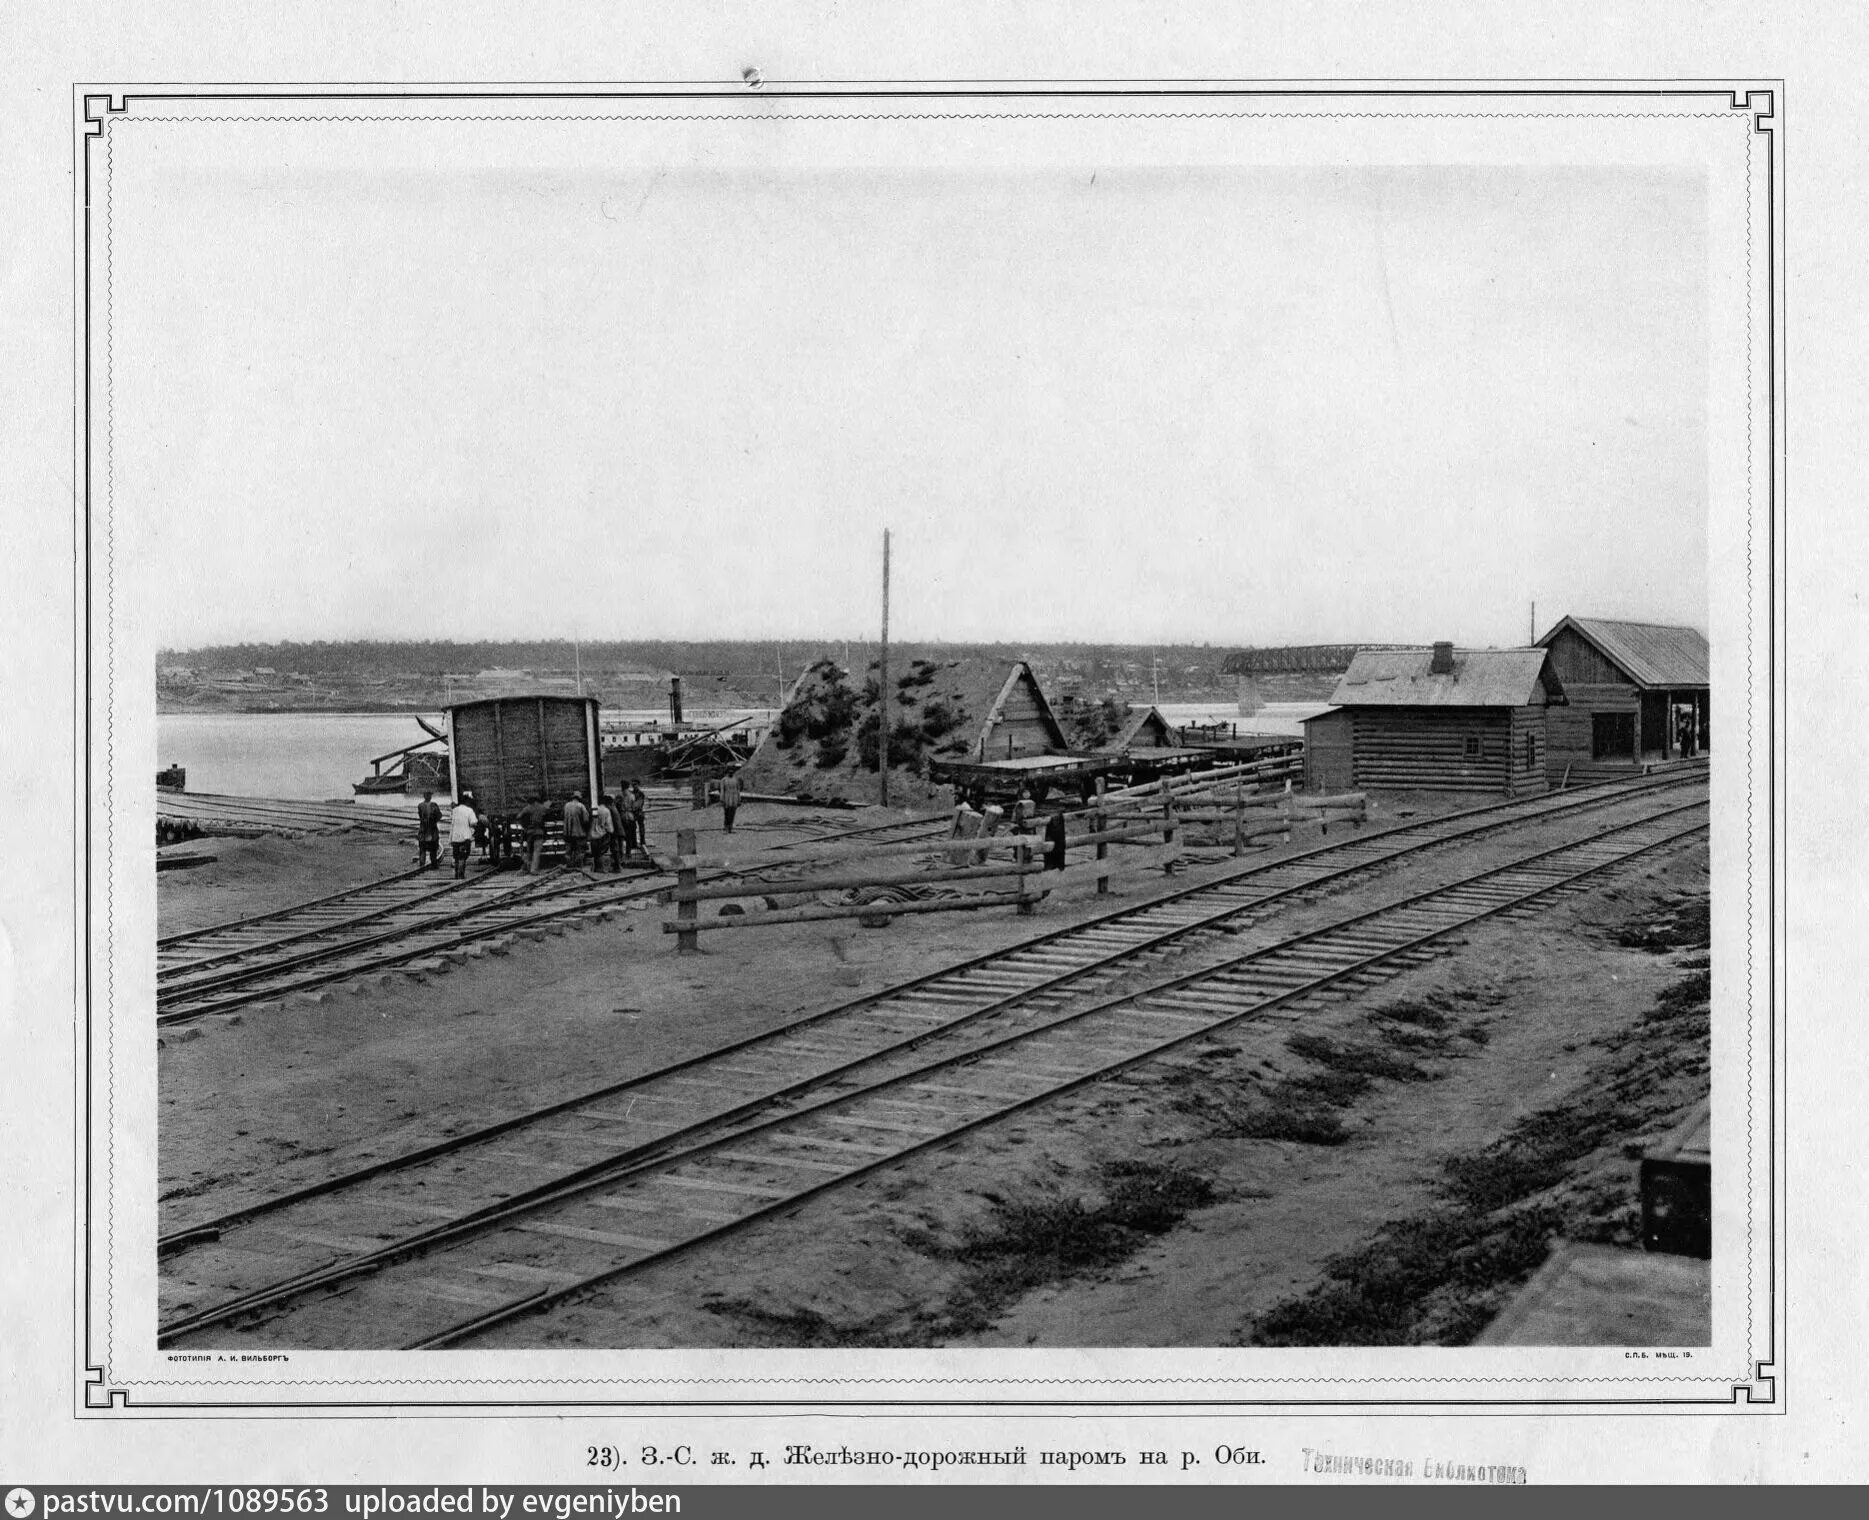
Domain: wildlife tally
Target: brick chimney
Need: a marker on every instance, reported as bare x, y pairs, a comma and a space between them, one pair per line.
1443, 662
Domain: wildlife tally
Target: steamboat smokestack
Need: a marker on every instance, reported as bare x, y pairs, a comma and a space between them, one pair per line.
674, 699
1443, 662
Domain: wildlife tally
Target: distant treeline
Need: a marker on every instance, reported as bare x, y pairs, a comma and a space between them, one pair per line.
1180, 665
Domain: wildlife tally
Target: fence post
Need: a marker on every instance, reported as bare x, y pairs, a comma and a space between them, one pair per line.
687, 879
1168, 827
1022, 854
1239, 817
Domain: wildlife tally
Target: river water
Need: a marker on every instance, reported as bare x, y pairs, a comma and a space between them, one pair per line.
307, 755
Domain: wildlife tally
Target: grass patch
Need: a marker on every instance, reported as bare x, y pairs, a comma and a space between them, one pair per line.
1439, 1276
1683, 926
1024, 1244
1374, 1295
1424, 1013
1306, 1108
1365, 1061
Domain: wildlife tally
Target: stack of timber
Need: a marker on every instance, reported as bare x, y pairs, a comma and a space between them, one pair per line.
249, 817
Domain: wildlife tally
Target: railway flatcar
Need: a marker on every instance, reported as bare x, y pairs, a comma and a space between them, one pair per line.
512, 751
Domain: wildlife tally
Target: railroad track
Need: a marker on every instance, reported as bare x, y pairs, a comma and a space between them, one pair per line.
698, 1110
375, 928
900, 831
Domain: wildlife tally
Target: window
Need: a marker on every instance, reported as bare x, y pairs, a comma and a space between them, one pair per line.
1612, 736
1531, 752
1473, 747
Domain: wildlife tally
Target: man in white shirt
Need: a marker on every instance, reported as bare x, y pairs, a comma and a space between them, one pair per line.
461, 834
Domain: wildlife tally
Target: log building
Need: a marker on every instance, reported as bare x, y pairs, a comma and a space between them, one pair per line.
1442, 719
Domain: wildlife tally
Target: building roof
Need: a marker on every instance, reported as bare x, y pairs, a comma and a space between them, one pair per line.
1650, 654
1480, 678
1128, 736
1021, 673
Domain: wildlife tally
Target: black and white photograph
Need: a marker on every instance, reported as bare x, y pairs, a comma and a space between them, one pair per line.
913, 744
951, 749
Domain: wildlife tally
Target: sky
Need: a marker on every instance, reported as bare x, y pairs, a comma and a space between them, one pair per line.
1237, 406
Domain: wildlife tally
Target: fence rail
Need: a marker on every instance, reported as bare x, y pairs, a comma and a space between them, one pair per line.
1127, 819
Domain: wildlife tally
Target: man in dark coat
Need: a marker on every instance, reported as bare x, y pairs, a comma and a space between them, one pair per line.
577, 830
428, 832
638, 808
532, 832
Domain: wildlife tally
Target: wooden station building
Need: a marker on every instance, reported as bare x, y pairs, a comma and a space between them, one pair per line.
1638, 694
1442, 719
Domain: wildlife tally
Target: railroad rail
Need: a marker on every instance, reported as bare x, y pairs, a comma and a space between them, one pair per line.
421, 925
910, 1033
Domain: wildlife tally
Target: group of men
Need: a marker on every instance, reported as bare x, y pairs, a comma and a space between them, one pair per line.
614, 830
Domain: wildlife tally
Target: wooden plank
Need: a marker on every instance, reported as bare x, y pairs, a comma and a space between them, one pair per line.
601, 1237
662, 1206
710, 1185
847, 1122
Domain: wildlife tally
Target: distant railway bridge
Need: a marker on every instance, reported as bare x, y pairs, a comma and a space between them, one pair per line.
1298, 659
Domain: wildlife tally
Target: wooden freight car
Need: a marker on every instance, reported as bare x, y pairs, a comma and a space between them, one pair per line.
511, 751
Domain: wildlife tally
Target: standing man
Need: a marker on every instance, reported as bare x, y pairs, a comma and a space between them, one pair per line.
638, 807
428, 832
729, 798
577, 830
461, 824
532, 832
614, 805
600, 834
626, 821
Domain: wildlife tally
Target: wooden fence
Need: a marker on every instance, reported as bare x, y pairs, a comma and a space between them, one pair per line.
1008, 862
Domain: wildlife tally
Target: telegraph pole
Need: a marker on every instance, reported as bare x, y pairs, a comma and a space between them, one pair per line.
882, 684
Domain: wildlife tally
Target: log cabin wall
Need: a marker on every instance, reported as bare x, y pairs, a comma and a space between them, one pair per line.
1467, 749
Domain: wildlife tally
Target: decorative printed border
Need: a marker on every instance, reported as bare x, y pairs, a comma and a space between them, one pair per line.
98, 111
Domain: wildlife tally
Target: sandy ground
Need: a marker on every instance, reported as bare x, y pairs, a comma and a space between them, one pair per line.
281, 1095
